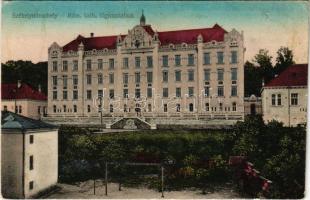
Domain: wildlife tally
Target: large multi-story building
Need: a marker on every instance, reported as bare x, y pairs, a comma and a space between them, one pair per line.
285, 97
195, 73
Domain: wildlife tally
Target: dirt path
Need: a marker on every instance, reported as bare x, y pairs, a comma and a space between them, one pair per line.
84, 190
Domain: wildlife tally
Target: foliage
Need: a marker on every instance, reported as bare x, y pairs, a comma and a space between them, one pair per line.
27, 72
262, 69
278, 151
284, 59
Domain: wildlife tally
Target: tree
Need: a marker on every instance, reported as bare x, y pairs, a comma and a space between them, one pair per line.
284, 59
263, 59
27, 72
252, 79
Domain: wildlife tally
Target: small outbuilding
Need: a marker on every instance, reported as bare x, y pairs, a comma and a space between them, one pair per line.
29, 156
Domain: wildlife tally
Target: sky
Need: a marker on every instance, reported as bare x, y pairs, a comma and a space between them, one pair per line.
29, 28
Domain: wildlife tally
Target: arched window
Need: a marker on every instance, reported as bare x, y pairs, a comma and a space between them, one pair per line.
234, 106
111, 108
207, 106
125, 107
74, 108
54, 109
88, 108
178, 107
191, 107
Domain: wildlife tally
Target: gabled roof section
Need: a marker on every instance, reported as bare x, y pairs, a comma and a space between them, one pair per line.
167, 37
10, 91
294, 75
10, 120
149, 30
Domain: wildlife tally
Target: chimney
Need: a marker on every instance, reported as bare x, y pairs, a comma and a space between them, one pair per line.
19, 83
91, 34
39, 88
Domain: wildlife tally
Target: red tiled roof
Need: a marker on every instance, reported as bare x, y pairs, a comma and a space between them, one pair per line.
175, 37
24, 92
190, 36
295, 75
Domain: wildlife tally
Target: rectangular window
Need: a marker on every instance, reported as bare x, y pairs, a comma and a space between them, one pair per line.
55, 66
54, 95
220, 74
190, 75
54, 80
111, 78
149, 61
74, 108
75, 94
100, 93
165, 92
165, 76
190, 59
88, 65
234, 91
234, 57
207, 74
65, 108
5, 108
65, 95
88, 94
125, 93
234, 74
100, 79
75, 65
177, 75
191, 91
31, 139
178, 92
111, 63
39, 110
137, 77
75, 79
294, 99
65, 81
31, 185
125, 63
54, 108
165, 61
149, 77
137, 93
65, 65
149, 92
177, 59
206, 58
137, 61
125, 78
100, 64
178, 107
279, 99
88, 79
220, 91
31, 163
207, 91
111, 94
220, 57
273, 99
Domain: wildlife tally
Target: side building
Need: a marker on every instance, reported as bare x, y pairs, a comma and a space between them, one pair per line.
187, 74
24, 100
284, 98
29, 156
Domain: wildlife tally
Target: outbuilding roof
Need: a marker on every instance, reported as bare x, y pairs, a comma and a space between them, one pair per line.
294, 75
11, 91
10, 120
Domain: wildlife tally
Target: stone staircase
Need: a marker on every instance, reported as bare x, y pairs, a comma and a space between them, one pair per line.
131, 123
